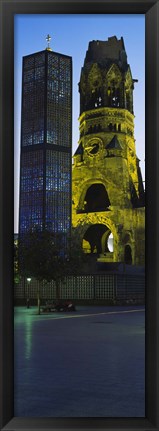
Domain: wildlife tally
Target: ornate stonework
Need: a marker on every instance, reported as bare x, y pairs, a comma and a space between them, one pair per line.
107, 188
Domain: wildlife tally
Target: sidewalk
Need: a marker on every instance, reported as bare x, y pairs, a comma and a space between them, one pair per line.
83, 364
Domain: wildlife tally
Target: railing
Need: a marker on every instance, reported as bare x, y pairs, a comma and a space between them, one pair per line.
97, 286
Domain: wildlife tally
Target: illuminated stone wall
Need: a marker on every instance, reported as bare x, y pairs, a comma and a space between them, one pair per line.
107, 188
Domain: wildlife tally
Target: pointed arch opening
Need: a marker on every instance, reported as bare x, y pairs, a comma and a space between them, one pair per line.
128, 255
98, 239
96, 198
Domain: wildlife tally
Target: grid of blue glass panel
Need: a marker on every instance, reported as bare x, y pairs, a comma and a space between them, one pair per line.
45, 174
31, 196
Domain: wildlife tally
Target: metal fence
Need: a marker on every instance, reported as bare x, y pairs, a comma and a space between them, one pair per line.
86, 287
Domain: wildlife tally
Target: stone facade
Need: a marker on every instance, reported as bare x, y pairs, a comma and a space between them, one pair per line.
108, 196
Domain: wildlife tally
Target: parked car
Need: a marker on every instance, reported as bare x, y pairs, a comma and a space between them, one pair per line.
58, 306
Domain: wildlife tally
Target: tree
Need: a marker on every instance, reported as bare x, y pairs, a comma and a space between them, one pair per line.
42, 255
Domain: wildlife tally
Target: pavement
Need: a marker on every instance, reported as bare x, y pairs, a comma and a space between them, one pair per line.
88, 363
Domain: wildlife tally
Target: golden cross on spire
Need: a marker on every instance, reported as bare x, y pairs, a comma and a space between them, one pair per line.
48, 39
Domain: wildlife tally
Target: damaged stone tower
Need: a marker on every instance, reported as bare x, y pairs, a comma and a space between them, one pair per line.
108, 195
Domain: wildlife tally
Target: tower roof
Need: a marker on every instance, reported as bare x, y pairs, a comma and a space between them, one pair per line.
79, 150
114, 144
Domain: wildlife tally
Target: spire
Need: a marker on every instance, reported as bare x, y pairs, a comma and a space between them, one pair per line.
48, 39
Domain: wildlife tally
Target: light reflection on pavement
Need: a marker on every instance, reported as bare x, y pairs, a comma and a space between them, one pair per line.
86, 363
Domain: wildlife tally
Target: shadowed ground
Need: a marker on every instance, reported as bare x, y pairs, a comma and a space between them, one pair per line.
90, 363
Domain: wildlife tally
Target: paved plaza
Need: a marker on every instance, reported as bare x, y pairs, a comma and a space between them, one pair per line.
88, 363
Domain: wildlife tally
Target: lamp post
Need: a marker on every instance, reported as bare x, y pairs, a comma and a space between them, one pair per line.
28, 283
38, 298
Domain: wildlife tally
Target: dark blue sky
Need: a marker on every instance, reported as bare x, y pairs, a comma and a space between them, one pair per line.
71, 35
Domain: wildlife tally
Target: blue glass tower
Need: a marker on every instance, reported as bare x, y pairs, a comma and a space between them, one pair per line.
46, 143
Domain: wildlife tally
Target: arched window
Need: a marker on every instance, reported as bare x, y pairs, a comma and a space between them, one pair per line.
128, 255
115, 97
96, 198
109, 96
110, 126
98, 239
96, 98
93, 238
128, 101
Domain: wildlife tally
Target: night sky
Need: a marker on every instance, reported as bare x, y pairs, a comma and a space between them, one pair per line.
71, 35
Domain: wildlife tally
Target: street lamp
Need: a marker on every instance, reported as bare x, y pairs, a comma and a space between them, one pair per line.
28, 282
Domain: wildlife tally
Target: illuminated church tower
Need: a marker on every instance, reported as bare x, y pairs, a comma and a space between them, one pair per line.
107, 188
